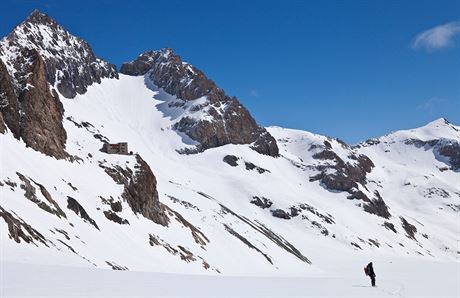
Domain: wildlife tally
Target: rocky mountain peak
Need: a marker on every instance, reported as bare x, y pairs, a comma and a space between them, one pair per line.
38, 17
71, 65
176, 77
216, 119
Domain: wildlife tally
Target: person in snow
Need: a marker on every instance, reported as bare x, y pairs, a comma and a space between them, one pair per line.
370, 272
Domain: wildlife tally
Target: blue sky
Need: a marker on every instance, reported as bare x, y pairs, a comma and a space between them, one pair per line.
347, 69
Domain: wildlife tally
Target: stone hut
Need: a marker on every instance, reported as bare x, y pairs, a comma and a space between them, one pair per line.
119, 148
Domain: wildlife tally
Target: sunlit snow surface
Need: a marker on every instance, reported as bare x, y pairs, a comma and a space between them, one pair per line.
128, 110
400, 277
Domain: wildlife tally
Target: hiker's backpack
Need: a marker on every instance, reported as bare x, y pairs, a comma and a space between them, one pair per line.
366, 271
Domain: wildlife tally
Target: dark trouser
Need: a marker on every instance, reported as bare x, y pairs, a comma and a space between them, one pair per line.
373, 280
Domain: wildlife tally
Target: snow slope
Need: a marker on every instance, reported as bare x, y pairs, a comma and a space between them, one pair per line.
215, 197
401, 277
220, 220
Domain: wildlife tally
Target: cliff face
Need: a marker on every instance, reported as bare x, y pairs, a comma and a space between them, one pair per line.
42, 112
222, 119
140, 189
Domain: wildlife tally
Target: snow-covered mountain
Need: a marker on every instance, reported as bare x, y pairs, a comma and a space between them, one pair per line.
206, 190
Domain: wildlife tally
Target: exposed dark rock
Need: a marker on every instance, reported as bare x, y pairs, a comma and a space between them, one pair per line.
409, 228
41, 112
58, 211
69, 61
231, 160
140, 189
433, 192
153, 240
186, 204
454, 207
356, 245
197, 235
2, 124
157, 241
377, 206
231, 123
64, 233
68, 246
345, 176
261, 228
451, 151
141, 193
374, 242
358, 195
71, 186
445, 148
10, 183
9, 103
116, 206
246, 241
186, 255
317, 225
280, 213
390, 226
328, 155
296, 210
116, 267
262, 202
283, 243
19, 230
30, 194
73, 205
110, 215
250, 166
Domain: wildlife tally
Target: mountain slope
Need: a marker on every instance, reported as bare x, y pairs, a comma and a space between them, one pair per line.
208, 201
297, 209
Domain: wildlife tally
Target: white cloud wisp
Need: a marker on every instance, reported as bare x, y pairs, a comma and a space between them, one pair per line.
437, 38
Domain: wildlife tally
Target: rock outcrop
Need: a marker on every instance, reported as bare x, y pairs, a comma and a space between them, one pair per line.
451, 150
336, 174
210, 117
140, 189
446, 150
73, 205
19, 230
41, 112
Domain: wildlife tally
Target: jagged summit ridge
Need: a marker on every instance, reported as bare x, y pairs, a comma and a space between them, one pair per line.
70, 62
223, 119
168, 71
